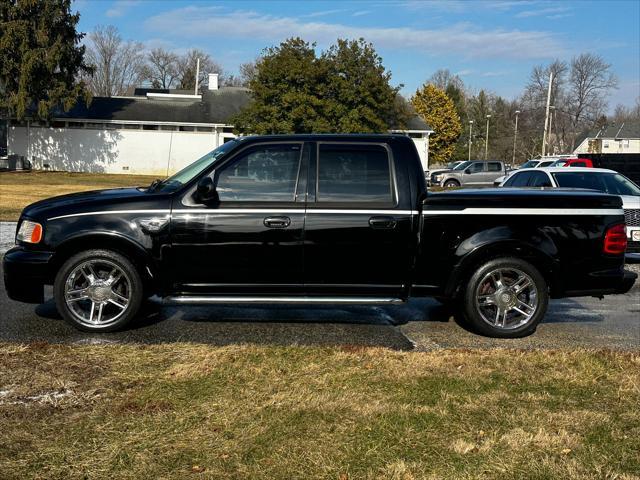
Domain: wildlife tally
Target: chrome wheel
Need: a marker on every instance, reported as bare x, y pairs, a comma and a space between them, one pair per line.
97, 292
506, 298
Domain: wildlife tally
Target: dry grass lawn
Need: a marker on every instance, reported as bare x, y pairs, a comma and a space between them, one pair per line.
193, 411
19, 189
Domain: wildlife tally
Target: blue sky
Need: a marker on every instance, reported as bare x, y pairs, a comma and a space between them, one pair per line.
491, 44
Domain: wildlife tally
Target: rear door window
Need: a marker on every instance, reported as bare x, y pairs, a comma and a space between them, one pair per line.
354, 173
494, 167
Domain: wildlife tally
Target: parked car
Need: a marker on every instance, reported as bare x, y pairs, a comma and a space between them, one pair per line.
436, 176
473, 174
600, 179
299, 219
579, 162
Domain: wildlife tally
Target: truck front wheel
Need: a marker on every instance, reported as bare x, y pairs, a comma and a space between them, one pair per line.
506, 298
98, 291
451, 184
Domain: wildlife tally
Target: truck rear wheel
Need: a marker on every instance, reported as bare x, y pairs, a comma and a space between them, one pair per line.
451, 184
98, 291
506, 298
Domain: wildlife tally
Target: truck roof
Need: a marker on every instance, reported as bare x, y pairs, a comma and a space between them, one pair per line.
358, 137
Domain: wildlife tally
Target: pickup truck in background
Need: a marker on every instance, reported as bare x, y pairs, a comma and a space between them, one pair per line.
473, 174
335, 219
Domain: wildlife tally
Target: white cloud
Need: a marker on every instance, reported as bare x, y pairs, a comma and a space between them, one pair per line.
542, 12
324, 13
464, 73
360, 13
462, 38
120, 7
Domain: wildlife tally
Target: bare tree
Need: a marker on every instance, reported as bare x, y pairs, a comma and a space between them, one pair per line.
187, 69
590, 82
118, 64
162, 68
443, 79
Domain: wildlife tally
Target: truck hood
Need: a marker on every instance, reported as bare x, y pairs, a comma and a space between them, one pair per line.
111, 199
521, 198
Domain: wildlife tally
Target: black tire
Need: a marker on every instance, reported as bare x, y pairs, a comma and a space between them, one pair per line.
451, 184
524, 319
121, 300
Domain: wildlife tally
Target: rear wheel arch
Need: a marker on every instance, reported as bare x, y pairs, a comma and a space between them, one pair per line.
506, 249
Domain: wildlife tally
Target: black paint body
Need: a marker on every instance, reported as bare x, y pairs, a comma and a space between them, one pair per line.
409, 247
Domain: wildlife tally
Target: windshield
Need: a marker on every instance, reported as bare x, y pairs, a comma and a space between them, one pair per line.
612, 183
193, 170
558, 163
462, 166
544, 164
530, 164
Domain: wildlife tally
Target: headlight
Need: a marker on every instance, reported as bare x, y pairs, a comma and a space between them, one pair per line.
29, 232
438, 177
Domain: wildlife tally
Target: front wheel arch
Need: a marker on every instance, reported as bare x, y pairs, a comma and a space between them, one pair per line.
147, 268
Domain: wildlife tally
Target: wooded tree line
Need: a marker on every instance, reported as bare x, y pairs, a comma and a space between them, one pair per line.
579, 92
296, 89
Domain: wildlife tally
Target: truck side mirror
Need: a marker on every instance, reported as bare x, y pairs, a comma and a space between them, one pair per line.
206, 191
468, 170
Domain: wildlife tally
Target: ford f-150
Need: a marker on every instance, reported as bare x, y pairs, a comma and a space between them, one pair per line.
337, 219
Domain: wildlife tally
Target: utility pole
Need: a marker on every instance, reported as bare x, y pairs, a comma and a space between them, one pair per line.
515, 137
546, 116
197, 76
486, 140
552, 111
470, 134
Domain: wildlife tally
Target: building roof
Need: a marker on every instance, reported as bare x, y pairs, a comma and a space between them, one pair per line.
216, 106
626, 129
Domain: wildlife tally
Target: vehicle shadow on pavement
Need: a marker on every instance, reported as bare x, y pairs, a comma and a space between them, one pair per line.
567, 310
225, 325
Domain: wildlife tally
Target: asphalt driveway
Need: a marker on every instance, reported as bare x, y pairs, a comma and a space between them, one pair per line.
421, 324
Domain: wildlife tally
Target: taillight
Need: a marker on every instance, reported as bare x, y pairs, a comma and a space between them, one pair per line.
615, 240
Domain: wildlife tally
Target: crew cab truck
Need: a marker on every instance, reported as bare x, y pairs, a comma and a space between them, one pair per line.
472, 174
337, 219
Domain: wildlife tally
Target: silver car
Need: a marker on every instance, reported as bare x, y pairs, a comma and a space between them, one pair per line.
474, 174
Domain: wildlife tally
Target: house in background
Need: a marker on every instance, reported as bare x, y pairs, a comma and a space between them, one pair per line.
153, 132
622, 138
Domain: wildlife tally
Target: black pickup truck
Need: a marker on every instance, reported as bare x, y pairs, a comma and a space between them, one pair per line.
337, 219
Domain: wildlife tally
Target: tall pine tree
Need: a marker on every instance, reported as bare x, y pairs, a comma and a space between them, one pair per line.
41, 57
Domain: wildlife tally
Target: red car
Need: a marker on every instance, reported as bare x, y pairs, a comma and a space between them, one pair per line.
579, 162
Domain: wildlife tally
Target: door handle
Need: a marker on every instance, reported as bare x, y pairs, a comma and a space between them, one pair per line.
383, 222
277, 222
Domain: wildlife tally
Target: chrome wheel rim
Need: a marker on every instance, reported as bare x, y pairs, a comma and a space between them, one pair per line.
506, 298
97, 292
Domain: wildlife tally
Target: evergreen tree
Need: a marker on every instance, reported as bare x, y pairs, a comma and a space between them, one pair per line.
345, 89
40, 57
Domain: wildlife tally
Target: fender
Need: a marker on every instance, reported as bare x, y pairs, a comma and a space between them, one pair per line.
109, 240
532, 245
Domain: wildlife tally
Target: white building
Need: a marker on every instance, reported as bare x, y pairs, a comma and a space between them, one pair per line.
622, 138
152, 133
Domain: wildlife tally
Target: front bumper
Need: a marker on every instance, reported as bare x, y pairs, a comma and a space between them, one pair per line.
25, 274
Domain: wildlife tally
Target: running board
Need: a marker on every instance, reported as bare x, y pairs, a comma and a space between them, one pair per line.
213, 299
